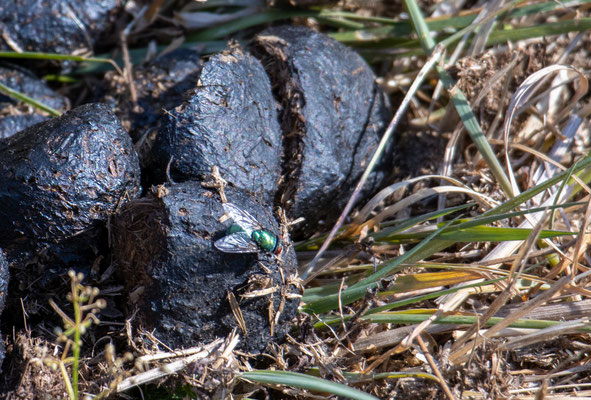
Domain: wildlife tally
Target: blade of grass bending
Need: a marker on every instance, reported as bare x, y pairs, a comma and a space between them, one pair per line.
389, 190
376, 156
482, 234
426, 247
415, 318
519, 100
507, 248
29, 100
459, 100
58, 57
530, 193
569, 131
357, 377
228, 28
423, 249
302, 381
389, 232
414, 198
393, 29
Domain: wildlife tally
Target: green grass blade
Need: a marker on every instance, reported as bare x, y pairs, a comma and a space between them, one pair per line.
390, 233
60, 78
482, 234
302, 381
459, 100
493, 217
422, 250
314, 244
530, 193
138, 55
416, 318
547, 29
318, 293
53, 56
425, 248
473, 128
420, 26
29, 100
384, 233
382, 48
261, 18
401, 30
61, 57
356, 377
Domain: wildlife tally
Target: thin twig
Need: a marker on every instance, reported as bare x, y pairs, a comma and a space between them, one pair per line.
435, 369
128, 69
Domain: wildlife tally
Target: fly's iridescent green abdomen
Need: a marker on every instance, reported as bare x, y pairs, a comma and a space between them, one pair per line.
266, 240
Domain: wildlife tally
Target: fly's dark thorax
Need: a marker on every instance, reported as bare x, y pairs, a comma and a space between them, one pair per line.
234, 228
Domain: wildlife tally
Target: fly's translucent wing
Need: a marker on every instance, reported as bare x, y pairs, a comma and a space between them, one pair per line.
242, 218
237, 243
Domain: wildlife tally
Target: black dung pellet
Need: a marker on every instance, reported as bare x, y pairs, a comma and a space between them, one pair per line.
15, 123
164, 250
25, 82
228, 121
333, 114
161, 85
64, 176
54, 26
4, 276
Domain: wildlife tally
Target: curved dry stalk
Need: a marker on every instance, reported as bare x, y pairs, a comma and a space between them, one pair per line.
203, 353
415, 197
364, 213
521, 96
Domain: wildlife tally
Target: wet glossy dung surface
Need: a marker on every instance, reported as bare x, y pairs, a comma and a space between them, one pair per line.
165, 245
64, 176
333, 116
229, 120
54, 26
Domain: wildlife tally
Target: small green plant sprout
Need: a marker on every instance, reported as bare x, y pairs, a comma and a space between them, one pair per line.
85, 307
